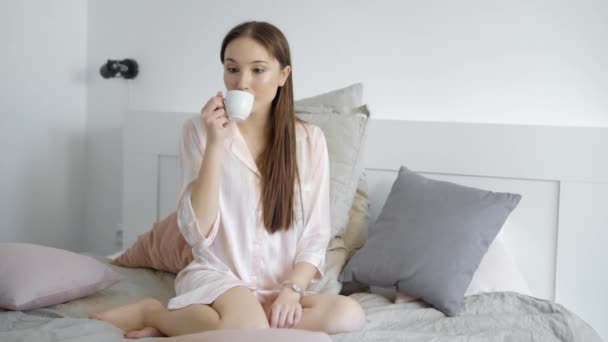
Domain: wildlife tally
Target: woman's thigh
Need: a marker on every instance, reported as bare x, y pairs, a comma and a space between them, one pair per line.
325, 301
238, 307
331, 313
319, 301
326, 312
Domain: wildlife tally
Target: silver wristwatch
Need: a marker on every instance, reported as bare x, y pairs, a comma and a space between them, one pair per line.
294, 287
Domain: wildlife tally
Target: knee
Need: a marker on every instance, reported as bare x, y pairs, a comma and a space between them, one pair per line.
254, 322
349, 315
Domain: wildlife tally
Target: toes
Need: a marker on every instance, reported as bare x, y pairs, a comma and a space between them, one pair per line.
155, 333
95, 316
145, 332
131, 334
149, 332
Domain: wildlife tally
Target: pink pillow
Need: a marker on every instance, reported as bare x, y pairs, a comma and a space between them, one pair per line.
34, 276
161, 248
248, 335
497, 271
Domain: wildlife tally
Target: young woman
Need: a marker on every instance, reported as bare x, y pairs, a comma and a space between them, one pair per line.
254, 206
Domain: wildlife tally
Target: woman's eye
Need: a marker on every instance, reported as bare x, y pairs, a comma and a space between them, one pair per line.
231, 70
258, 70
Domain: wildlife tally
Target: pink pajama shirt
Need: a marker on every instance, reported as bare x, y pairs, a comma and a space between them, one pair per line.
239, 251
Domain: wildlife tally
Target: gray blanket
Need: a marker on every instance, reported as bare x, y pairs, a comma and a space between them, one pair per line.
486, 317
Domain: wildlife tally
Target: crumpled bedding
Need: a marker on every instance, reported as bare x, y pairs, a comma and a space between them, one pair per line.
500, 316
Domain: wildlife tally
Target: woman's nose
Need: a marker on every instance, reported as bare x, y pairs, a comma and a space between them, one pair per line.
243, 81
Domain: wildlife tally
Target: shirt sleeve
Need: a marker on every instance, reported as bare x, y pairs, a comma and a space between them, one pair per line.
191, 148
312, 244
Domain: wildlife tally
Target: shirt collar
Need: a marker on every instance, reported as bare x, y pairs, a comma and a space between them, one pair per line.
239, 147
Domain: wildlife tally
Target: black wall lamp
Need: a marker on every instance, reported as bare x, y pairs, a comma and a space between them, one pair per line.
126, 68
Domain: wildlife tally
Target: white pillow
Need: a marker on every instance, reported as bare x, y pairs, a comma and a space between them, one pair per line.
497, 271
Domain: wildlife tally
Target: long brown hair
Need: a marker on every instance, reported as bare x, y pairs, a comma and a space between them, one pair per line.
277, 163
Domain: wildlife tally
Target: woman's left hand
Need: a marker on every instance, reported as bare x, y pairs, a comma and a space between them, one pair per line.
286, 310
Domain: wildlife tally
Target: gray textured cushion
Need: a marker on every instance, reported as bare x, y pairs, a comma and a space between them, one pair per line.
343, 98
345, 134
330, 111
429, 239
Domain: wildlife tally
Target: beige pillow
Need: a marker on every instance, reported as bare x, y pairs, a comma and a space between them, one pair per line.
355, 234
342, 247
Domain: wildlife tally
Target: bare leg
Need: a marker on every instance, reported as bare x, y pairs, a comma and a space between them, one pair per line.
236, 308
134, 319
128, 317
328, 313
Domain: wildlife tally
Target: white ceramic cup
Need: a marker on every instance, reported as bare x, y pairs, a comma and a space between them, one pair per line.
238, 104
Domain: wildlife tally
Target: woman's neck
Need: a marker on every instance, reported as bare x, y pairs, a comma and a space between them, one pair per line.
255, 129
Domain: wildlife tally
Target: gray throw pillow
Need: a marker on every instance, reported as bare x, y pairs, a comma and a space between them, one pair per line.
430, 238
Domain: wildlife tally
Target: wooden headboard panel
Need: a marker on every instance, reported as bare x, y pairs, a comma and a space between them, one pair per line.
557, 234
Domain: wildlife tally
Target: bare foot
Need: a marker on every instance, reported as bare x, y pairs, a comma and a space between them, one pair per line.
128, 317
145, 332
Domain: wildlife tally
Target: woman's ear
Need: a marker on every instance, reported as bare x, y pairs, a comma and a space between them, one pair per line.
284, 75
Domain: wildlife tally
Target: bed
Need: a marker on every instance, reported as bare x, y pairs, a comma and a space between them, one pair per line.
551, 167
490, 317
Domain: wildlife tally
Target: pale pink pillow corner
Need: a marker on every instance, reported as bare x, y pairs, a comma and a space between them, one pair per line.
35, 276
498, 271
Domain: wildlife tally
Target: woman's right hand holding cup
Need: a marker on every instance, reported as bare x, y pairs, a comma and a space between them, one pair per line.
215, 120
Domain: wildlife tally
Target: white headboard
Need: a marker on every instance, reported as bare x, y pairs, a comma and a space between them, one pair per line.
558, 233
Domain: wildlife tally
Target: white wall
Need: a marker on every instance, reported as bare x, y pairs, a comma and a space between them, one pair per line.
42, 121
529, 62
